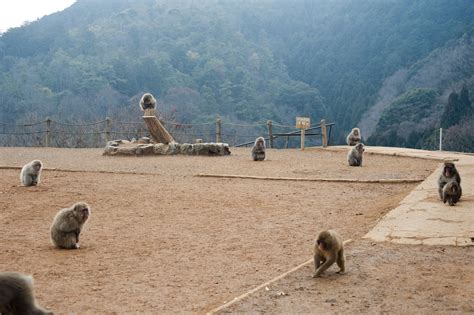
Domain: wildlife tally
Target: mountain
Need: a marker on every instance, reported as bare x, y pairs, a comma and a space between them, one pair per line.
248, 61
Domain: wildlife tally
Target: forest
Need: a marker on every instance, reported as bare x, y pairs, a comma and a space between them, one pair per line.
398, 69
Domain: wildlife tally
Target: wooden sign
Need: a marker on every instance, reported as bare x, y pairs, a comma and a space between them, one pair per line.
303, 122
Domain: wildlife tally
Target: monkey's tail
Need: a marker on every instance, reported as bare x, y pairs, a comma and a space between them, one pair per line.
347, 241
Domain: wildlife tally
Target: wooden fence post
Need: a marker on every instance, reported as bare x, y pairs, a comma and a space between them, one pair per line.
324, 134
302, 138
48, 132
218, 130
107, 129
441, 139
270, 133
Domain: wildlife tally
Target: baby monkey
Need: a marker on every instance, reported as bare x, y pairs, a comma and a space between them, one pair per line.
16, 295
67, 225
452, 193
328, 249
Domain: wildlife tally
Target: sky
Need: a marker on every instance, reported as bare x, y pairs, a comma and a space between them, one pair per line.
14, 13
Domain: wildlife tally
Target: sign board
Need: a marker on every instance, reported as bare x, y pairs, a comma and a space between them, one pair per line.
303, 122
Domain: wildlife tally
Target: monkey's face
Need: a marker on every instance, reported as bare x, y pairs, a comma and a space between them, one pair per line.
449, 169
323, 241
147, 99
356, 132
37, 165
360, 148
82, 211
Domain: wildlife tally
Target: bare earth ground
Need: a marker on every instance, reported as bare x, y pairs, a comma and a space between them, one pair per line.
164, 241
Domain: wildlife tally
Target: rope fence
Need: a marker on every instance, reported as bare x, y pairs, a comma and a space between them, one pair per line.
52, 133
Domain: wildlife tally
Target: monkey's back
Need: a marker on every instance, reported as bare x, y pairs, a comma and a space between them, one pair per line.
14, 287
62, 229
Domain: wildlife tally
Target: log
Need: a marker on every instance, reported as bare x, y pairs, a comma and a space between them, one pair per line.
341, 180
157, 131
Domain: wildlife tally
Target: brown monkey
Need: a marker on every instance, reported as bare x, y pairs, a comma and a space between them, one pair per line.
449, 173
452, 192
147, 101
67, 225
30, 173
355, 155
328, 249
258, 150
17, 295
354, 137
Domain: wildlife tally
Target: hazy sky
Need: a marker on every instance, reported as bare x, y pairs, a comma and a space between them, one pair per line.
14, 12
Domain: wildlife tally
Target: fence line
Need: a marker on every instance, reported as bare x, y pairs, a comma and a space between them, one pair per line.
49, 132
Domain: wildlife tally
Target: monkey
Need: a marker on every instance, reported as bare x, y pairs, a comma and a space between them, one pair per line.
147, 101
328, 249
354, 137
258, 150
355, 155
67, 225
452, 192
17, 295
30, 173
449, 173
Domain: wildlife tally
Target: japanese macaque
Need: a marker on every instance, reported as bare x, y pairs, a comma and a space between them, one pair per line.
355, 155
30, 173
258, 150
147, 101
449, 173
354, 137
67, 225
17, 295
452, 192
328, 249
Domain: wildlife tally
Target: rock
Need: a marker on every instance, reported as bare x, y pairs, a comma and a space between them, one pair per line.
121, 147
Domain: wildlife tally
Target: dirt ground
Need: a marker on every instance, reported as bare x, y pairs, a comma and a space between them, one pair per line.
161, 240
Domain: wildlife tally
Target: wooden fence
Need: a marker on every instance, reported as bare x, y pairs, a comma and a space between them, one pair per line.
51, 133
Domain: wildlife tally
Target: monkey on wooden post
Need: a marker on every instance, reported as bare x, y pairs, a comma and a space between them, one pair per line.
17, 295
328, 249
147, 101
354, 137
30, 173
67, 225
258, 150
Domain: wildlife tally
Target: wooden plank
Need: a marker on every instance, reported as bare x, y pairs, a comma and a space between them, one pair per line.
342, 180
157, 131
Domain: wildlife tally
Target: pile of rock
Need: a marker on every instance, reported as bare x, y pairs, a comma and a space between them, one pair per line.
144, 146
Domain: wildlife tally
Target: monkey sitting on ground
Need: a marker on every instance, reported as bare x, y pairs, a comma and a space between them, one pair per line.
354, 137
30, 173
258, 150
328, 249
147, 101
67, 225
449, 173
16, 295
452, 193
354, 157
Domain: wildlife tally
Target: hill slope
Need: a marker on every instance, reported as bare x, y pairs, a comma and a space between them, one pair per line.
246, 61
